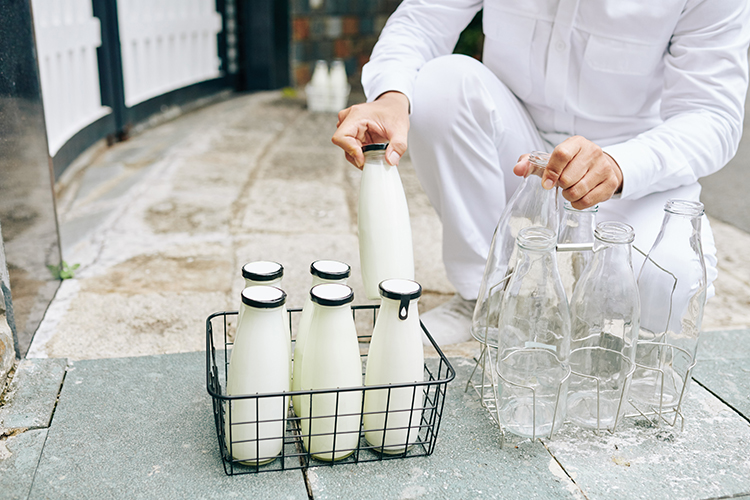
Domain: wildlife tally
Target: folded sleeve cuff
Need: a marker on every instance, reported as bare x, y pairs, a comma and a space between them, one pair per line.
635, 162
377, 84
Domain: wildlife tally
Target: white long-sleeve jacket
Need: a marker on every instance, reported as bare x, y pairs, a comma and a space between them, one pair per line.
660, 85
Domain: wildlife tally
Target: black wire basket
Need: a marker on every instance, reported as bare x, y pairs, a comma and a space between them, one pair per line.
417, 438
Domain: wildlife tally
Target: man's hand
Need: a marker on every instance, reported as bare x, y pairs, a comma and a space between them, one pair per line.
384, 120
586, 174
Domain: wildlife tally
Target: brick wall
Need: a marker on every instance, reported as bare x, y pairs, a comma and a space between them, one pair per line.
336, 29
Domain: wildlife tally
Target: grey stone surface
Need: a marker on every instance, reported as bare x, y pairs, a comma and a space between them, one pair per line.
19, 457
730, 308
143, 428
708, 459
467, 462
724, 367
32, 394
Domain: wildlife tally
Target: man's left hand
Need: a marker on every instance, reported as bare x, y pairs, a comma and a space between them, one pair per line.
586, 174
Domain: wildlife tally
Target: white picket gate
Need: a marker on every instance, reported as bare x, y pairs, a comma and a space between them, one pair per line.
166, 45
67, 35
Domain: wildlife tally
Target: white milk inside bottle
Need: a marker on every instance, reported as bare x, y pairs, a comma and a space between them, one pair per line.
268, 273
259, 363
332, 362
323, 271
396, 355
385, 244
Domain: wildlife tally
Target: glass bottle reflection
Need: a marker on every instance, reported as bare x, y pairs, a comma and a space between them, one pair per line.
576, 228
604, 312
534, 340
672, 285
530, 205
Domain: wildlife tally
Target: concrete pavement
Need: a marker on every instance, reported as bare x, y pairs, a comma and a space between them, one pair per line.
161, 225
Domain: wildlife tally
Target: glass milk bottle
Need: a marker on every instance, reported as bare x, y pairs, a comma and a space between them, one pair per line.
672, 285
576, 230
604, 311
268, 273
385, 246
534, 340
259, 363
331, 421
396, 356
530, 205
323, 271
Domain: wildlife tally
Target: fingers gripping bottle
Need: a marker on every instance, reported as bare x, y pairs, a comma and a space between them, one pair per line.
534, 340
396, 356
330, 421
604, 311
530, 205
385, 244
672, 284
323, 271
259, 363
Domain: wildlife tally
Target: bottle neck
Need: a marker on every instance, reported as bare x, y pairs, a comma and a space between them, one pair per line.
375, 157
612, 254
681, 225
392, 307
317, 280
535, 203
577, 227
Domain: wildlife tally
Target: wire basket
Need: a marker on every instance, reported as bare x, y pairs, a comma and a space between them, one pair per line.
414, 438
487, 386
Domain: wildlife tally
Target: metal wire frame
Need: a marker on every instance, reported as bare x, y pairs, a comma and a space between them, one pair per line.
428, 399
487, 386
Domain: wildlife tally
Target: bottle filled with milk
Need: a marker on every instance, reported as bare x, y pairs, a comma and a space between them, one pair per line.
259, 363
323, 271
330, 421
265, 273
396, 356
385, 244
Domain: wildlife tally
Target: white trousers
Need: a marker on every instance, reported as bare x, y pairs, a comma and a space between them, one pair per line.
467, 132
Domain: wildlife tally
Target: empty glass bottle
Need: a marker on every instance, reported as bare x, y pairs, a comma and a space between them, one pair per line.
534, 340
576, 230
672, 285
604, 312
530, 205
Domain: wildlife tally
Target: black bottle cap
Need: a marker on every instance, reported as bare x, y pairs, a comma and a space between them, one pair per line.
262, 270
330, 269
263, 297
331, 294
375, 147
402, 290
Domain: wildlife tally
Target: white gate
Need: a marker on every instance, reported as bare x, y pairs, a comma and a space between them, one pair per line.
67, 35
166, 45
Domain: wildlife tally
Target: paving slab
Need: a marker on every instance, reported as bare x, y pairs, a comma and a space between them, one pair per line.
708, 459
31, 396
19, 457
724, 367
143, 428
467, 462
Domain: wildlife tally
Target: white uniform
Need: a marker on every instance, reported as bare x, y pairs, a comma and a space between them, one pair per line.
659, 85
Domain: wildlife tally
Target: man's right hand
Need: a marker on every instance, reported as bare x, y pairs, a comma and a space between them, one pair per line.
385, 119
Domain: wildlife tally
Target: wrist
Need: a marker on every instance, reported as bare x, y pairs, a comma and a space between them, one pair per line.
617, 171
395, 98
